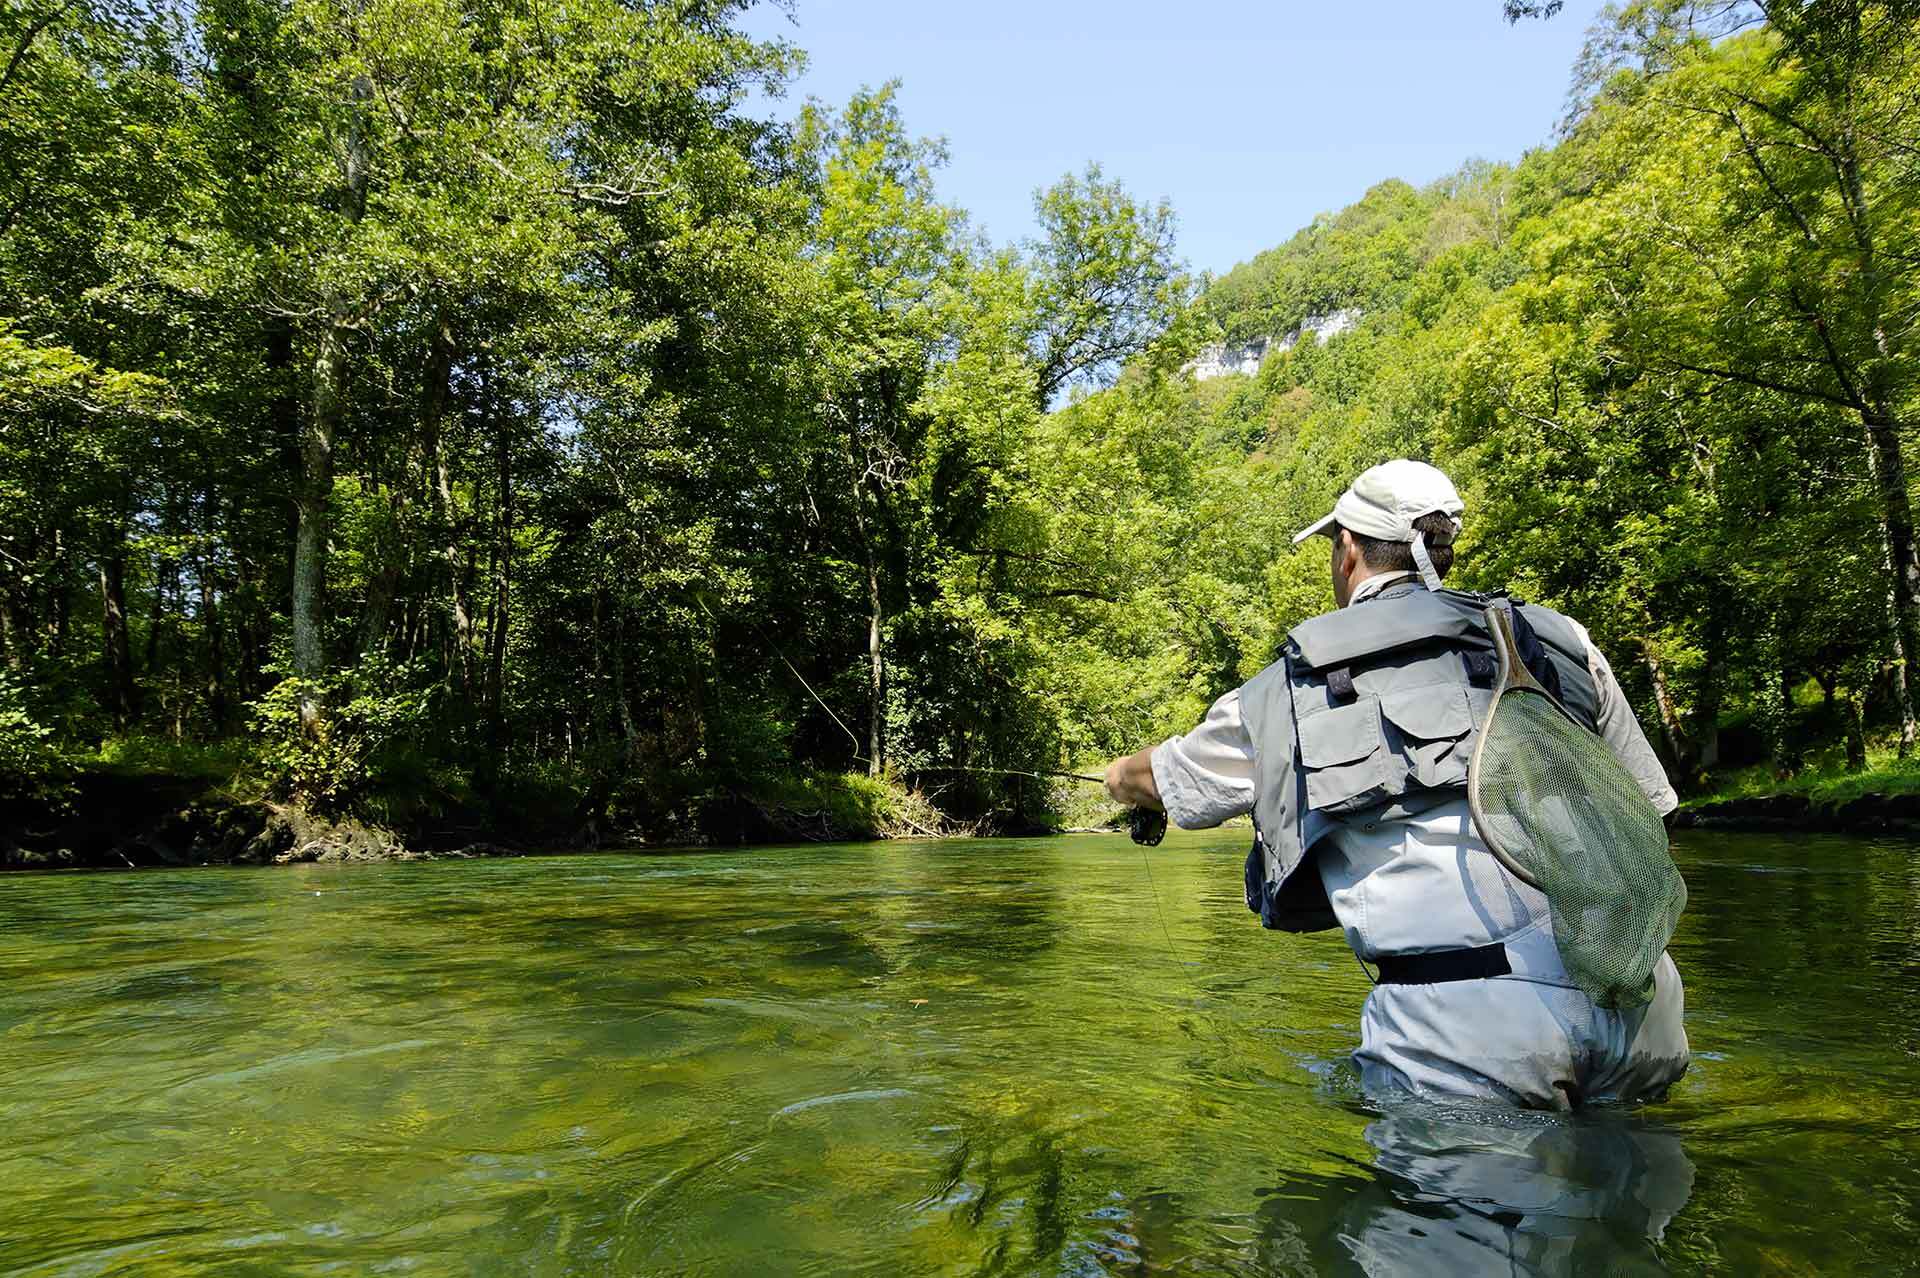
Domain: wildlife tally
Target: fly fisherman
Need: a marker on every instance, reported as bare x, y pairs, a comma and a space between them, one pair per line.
1352, 753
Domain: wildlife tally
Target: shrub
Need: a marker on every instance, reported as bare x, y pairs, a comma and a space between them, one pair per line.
32, 767
140, 753
371, 710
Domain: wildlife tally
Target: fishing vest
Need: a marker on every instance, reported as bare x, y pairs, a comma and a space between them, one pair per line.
1370, 715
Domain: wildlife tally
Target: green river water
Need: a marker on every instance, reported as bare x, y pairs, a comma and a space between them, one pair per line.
983, 1057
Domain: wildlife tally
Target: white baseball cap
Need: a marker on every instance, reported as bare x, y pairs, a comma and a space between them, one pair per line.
1385, 500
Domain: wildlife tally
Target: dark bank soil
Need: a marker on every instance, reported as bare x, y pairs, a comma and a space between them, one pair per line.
126, 820
1869, 814
122, 821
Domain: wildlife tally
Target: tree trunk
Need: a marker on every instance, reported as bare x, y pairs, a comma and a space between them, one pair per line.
216, 660
10, 631
597, 694
252, 631
212, 621
625, 711
420, 472
410, 629
1705, 729
1786, 737
876, 668
383, 583
382, 588
1679, 749
876, 677
157, 617
270, 590
59, 601
1877, 391
438, 391
1888, 467
502, 585
310, 540
1856, 704
116, 648
319, 431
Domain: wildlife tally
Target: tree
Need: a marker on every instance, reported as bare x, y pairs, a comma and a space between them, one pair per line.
1106, 282
884, 252
1788, 270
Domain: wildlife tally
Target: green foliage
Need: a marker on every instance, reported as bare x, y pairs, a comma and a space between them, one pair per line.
1646, 357
32, 767
649, 452
850, 802
378, 708
1829, 784
219, 762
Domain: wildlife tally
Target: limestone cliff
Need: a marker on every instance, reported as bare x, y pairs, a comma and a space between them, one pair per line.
1222, 358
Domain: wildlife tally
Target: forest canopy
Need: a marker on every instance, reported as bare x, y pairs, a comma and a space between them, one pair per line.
441, 401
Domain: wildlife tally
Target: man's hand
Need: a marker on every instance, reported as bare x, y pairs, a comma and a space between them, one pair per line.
1130, 781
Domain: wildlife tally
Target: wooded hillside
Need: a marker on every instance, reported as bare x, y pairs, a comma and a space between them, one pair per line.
415, 402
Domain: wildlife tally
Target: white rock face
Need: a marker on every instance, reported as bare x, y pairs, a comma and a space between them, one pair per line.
1223, 358
1323, 327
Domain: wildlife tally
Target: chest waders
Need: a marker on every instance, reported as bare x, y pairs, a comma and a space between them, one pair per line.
1558, 810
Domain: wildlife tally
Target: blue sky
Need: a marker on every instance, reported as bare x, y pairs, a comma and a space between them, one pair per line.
1249, 117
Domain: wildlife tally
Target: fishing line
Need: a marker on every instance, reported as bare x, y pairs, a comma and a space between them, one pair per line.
858, 757
1043, 775
1154, 888
1146, 826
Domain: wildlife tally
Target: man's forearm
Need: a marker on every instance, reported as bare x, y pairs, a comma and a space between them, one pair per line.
1130, 781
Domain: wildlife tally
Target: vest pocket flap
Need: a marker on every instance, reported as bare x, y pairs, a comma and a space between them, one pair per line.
1340, 735
1430, 714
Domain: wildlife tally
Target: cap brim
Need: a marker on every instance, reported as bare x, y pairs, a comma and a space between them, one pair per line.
1313, 530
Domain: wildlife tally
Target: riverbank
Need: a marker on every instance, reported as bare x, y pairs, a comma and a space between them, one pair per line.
132, 814
116, 820
1883, 798
1869, 814
126, 815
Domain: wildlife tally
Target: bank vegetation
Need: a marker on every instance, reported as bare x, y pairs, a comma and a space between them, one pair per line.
429, 413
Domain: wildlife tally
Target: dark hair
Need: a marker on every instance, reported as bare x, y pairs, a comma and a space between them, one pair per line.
1397, 556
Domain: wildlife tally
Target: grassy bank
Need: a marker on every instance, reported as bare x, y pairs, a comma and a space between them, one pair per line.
1823, 784
1883, 798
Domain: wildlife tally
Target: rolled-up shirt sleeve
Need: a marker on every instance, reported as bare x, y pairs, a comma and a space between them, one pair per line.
1621, 730
1206, 776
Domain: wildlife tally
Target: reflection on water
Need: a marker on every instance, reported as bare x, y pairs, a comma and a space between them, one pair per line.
1476, 1191
943, 1058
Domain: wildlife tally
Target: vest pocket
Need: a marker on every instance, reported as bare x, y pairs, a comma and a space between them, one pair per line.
1431, 729
1344, 757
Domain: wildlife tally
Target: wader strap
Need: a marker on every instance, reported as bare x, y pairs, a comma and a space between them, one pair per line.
1444, 965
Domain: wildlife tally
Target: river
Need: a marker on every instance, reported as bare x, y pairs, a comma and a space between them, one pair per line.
985, 1057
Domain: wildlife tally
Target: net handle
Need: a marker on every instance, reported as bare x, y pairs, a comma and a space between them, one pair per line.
1513, 674
1513, 670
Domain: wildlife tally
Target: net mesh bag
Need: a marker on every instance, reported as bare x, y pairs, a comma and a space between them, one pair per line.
1561, 812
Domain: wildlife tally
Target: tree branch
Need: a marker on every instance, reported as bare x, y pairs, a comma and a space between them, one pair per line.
1766, 175
26, 41
1764, 383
